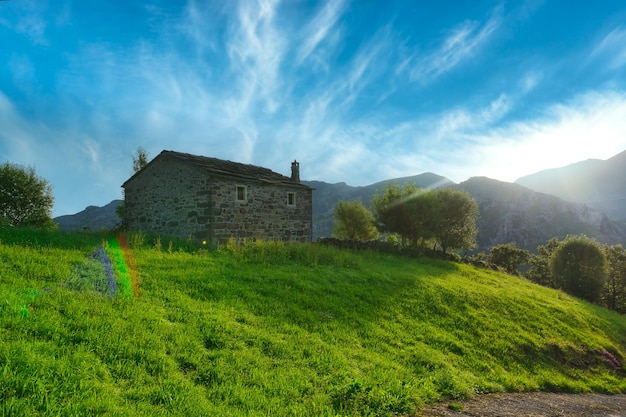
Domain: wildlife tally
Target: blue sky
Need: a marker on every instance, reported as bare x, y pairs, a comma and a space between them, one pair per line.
357, 91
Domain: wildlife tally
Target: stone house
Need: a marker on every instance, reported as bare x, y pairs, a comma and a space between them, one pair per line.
211, 200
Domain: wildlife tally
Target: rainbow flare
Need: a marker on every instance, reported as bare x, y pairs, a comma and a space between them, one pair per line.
128, 277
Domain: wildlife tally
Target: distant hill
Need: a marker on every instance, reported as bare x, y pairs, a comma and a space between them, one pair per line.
507, 212
326, 196
92, 218
600, 184
513, 213
587, 197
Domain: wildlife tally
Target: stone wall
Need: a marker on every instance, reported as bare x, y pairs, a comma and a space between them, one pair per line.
169, 198
265, 214
176, 199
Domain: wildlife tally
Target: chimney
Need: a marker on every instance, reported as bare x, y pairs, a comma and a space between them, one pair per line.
295, 171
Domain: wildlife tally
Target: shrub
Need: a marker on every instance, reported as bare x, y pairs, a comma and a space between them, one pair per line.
578, 267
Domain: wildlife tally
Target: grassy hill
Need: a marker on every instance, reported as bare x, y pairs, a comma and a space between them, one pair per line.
268, 329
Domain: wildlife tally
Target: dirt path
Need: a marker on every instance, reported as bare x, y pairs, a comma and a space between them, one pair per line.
534, 405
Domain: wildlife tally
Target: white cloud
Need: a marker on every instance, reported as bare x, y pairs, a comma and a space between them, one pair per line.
29, 21
91, 149
459, 144
613, 48
530, 80
319, 28
256, 50
592, 125
462, 43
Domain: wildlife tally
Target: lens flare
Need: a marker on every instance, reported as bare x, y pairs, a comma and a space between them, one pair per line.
124, 262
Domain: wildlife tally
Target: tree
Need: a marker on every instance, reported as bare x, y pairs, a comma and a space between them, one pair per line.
25, 199
140, 160
578, 267
454, 219
539, 271
508, 256
401, 210
614, 292
354, 221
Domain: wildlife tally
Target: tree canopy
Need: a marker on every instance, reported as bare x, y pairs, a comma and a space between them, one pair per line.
454, 219
140, 160
614, 292
26, 200
578, 267
354, 222
396, 212
540, 271
508, 256
447, 215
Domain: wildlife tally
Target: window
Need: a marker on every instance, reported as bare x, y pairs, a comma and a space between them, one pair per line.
241, 193
291, 199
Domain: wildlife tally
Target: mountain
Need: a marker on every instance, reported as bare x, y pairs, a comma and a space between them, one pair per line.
92, 218
600, 184
587, 197
513, 213
507, 212
326, 196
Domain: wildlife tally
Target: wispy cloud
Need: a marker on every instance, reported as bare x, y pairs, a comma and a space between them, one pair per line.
613, 48
30, 22
566, 133
319, 28
256, 50
462, 42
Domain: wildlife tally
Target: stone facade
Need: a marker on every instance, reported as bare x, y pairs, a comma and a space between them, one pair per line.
187, 196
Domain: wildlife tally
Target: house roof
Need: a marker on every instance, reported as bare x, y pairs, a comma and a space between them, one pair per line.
226, 168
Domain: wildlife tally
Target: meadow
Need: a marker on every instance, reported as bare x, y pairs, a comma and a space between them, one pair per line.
93, 324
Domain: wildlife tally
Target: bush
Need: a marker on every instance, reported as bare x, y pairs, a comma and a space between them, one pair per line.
354, 221
578, 267
25, 199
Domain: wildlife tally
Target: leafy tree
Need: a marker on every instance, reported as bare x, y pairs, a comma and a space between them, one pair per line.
396, 211
354, 221
446, 215
508, 256
540, 271
453, 221
578, 267
25, 199
140, 160
614, 292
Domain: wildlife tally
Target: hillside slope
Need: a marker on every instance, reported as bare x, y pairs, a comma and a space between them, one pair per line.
280, 330
513, 213
600, 184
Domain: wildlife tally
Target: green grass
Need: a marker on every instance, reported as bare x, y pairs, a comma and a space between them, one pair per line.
272, 329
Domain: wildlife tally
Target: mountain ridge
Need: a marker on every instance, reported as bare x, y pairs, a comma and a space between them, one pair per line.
600, 184
521, 212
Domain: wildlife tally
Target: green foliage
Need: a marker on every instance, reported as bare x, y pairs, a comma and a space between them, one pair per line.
578, 267
540, 271
614, 292
140, 160
454, 219
25, 199
396, 211
447, 216
354, 222
508, 257
268, 328
121, 211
